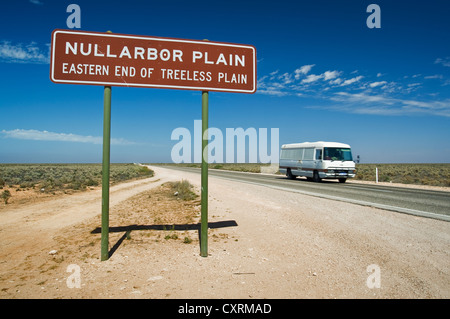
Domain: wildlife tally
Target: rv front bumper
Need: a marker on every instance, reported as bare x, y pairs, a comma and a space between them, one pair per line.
338, 173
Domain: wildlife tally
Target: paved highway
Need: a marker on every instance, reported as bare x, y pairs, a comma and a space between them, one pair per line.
420, 202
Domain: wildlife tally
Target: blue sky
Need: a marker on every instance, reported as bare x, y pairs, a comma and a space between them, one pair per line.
322, 75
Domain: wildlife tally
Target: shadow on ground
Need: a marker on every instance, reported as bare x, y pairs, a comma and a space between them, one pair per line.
179, 227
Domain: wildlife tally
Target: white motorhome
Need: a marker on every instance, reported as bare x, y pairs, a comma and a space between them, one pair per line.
317, 161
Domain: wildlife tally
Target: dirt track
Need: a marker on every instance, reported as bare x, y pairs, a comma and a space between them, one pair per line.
285, 245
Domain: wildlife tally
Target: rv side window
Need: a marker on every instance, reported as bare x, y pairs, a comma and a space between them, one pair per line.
309, 154
291, 154
318, 154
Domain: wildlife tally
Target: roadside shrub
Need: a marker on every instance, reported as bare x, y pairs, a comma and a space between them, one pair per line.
183, 190
145, 171
75, 185
420, 174
58, 177
6, 194
26, 185
91, 182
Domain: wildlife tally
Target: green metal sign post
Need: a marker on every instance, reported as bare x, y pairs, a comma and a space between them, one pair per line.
105, 172
204, 181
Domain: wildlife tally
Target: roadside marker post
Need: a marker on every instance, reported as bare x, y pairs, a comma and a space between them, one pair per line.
107, 59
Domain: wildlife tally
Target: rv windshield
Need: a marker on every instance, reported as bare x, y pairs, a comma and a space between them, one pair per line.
337, 154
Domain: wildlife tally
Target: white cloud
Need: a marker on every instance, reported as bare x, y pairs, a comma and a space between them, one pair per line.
412, 87
337, 81
329, 75
312, 78
272, 88
286, 78
445, 61
303, 70
272, 91
19, 53
352, 80
356, 94
36, 135
436, 76
262, 79
375, 84
360, 98
272, 74
378, 104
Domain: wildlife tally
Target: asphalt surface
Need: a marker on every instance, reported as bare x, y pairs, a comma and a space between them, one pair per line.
419, 202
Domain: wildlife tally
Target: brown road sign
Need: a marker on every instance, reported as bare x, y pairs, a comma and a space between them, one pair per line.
108, 59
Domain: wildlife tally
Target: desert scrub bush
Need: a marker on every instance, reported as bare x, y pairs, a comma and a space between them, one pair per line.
6, 194
123, 172
183, 190
421, 174
145, 171
53, 177
27, 185
238, 167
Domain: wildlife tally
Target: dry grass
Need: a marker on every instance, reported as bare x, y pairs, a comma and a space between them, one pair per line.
183, 190
419, 174
57, 177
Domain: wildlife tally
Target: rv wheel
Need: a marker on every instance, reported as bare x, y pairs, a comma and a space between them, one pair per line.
289, 174
316, 177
